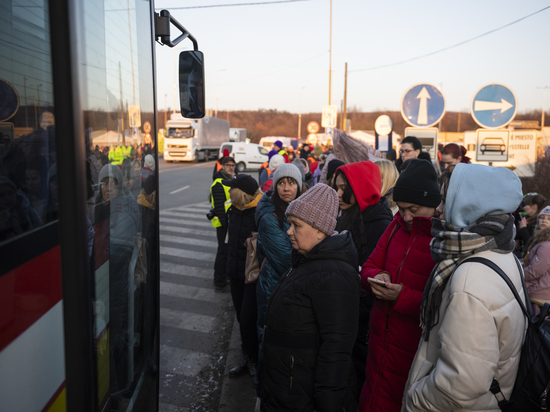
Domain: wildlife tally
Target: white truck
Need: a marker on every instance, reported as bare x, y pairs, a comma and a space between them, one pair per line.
237, 135
194, 140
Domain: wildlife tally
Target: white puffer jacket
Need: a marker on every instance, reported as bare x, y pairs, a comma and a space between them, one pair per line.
479, 336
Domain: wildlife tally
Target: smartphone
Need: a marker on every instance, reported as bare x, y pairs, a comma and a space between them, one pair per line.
377, 281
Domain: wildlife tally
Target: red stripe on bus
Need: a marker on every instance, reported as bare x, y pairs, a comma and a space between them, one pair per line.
27, 293
54, 397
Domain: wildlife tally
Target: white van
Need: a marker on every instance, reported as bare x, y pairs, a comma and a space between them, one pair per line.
246, 155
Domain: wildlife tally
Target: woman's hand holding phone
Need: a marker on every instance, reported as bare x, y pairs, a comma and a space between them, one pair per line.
382, 288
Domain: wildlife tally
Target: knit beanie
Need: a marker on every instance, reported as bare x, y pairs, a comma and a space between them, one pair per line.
545, 211
271, 154
150, 162
300, 167
317, 207
287, 170
317, 151
276, 161
279, 144
332, 166
418, 184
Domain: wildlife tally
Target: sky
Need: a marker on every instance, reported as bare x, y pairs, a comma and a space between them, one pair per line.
276, 56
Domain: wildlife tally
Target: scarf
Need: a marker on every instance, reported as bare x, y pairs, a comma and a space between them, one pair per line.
450, 246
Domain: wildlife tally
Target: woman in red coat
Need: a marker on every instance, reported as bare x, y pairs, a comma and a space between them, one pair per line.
396, 274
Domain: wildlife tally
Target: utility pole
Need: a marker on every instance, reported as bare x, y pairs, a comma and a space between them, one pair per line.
300, 116
121, 105
165, 110
458, 123
330, 57
345, 97
543, 102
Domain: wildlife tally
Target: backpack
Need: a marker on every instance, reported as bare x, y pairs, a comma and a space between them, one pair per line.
532, 383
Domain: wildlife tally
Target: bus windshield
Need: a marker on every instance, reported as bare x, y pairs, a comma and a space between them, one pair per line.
179, 132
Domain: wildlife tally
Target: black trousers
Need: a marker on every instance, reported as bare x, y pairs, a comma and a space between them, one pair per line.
221, 258
244, 301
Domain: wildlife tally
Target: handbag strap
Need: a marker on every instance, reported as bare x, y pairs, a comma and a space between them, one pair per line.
527, 311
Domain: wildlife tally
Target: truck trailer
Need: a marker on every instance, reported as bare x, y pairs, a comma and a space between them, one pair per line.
194, 139
237, 135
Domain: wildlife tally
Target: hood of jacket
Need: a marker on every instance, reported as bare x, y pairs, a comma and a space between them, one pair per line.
336, 247
265, 206
378, 211
366, 183
477, 190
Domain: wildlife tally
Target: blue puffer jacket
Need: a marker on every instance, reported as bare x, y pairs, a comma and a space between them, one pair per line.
273, 244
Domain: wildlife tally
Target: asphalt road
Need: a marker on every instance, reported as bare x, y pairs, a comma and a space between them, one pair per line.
197, 324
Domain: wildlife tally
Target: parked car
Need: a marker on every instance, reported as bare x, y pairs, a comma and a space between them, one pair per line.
246, 155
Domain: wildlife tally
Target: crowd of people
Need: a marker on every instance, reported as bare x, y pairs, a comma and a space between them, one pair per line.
366, 299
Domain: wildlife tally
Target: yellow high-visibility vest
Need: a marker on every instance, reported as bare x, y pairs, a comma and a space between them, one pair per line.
227, 204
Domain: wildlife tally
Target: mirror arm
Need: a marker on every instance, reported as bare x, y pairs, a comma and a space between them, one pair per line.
162, 30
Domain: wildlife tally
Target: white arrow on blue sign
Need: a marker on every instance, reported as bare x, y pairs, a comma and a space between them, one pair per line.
493, 106
423, 105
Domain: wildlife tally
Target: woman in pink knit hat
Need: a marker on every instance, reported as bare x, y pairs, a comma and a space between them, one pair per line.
312, 315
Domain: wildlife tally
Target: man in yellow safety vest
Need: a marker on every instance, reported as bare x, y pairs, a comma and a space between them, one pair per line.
219, 195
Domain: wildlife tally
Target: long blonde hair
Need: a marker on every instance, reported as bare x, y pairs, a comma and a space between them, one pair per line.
389, 175
241, 199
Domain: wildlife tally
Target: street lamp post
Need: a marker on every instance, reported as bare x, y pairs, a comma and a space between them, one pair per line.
217, 75
300, 115
330, 57
165, 110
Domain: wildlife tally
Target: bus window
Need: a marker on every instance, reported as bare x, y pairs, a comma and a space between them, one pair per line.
120, 127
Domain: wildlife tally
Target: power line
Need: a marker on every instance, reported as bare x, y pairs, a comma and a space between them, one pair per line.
453, 46
232, 5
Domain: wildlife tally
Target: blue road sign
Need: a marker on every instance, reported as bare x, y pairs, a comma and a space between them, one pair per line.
423, 105
9, 100
494, 106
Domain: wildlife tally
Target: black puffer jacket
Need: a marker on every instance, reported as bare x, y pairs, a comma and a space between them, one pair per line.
311, 324
241, 225
218, 194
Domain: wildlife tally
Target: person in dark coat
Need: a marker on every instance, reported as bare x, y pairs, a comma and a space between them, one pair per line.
402, 261
245, 195
273, 243
366, 215
311, 319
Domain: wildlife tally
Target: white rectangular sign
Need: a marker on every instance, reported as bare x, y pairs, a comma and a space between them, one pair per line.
329, 116
522, 151
134, 113
492, 145
427, 136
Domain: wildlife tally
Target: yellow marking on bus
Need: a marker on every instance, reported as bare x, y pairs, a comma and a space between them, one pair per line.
60, 404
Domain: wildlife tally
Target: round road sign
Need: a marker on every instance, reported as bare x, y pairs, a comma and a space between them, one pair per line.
147, 127
383, 125
9, 100
494, 106
313, 127
423, 105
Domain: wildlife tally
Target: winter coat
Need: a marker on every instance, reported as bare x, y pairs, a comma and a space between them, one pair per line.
267, 185
241, 225
537, 266
273, 245
311, 323
478, 338
218, 195
394, 326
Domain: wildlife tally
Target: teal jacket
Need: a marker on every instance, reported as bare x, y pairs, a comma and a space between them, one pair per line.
273, 244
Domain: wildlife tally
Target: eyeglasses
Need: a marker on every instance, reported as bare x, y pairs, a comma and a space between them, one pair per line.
229, 165
406, 151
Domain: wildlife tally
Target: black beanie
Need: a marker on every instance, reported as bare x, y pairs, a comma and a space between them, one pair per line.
417, 184
332, 166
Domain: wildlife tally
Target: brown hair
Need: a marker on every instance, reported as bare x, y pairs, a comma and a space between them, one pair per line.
454, 150
534, 199
227, 159
241, 199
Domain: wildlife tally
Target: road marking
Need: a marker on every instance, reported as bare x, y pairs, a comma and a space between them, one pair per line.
179, 190
187, 215
186, 320
182, 361
189, 241
188, 292
186, 222
183, 270
196, 232
187, 254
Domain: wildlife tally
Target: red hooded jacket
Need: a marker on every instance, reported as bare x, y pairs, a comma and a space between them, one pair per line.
366, 183
394, 326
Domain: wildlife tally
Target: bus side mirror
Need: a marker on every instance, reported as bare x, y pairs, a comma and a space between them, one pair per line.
191, 75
